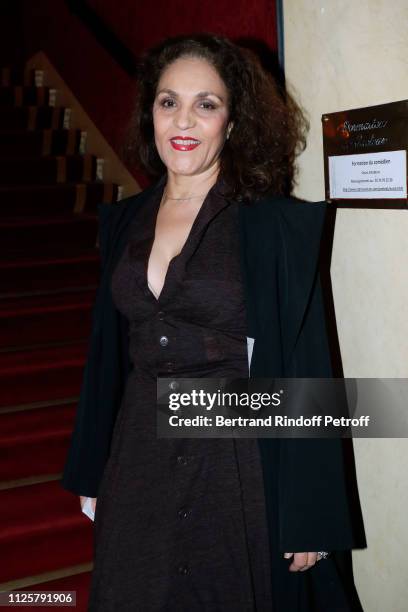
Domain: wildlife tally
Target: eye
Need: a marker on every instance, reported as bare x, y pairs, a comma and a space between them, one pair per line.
167, 102
208, 105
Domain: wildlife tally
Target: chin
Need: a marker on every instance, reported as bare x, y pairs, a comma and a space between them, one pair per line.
183, 170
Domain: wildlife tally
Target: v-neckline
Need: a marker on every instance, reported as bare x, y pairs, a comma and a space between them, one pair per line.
183, 248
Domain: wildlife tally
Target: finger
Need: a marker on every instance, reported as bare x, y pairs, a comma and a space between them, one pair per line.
311, 560
299, 561
287, 555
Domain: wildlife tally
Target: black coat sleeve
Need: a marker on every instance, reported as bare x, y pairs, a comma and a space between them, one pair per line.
314, 506
101, 388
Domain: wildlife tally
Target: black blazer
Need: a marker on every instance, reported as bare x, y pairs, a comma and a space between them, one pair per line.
305, 479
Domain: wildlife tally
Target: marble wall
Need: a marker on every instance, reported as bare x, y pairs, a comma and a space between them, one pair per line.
341, 55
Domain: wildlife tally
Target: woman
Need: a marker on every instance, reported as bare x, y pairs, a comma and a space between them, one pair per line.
191, 269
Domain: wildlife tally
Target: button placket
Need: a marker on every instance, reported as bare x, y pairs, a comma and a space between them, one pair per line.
163, 340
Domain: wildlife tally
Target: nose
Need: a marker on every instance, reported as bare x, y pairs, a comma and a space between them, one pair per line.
184, 118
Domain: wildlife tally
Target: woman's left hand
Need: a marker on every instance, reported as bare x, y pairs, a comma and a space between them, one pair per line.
301, 560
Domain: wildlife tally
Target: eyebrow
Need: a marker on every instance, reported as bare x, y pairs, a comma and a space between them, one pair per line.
201, 94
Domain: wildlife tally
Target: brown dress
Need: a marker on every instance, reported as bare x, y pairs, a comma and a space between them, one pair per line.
180, 524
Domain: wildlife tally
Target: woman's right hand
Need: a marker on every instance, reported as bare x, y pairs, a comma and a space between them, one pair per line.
82, 499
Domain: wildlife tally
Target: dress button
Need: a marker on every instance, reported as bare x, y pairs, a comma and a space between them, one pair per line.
181, 460
174, 385
169, 365
183, 513
183, 569
160, 315
164, 340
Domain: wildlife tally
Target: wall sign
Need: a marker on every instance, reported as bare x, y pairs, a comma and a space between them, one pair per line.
365, 156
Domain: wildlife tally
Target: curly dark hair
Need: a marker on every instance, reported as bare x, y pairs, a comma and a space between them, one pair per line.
269, 127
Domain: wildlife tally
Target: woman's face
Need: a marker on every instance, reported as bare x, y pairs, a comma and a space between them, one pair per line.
190, 116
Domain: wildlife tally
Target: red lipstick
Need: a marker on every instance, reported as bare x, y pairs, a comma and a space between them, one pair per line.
184, 143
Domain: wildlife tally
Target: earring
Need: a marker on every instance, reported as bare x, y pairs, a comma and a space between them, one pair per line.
229, 132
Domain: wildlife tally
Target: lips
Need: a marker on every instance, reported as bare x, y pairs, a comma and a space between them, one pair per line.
182, 143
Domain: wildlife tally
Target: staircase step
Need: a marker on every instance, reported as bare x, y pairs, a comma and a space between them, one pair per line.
49, 273
42, 529
45, 235
42, 200
41, 374
39, 142
26, 95
45, 319
16, 75
35, 441
15, 119
63, 271
48, 170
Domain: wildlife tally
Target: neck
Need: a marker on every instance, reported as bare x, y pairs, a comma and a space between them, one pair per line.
185, 186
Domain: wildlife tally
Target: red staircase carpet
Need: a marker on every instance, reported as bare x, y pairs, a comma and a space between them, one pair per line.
49, 269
